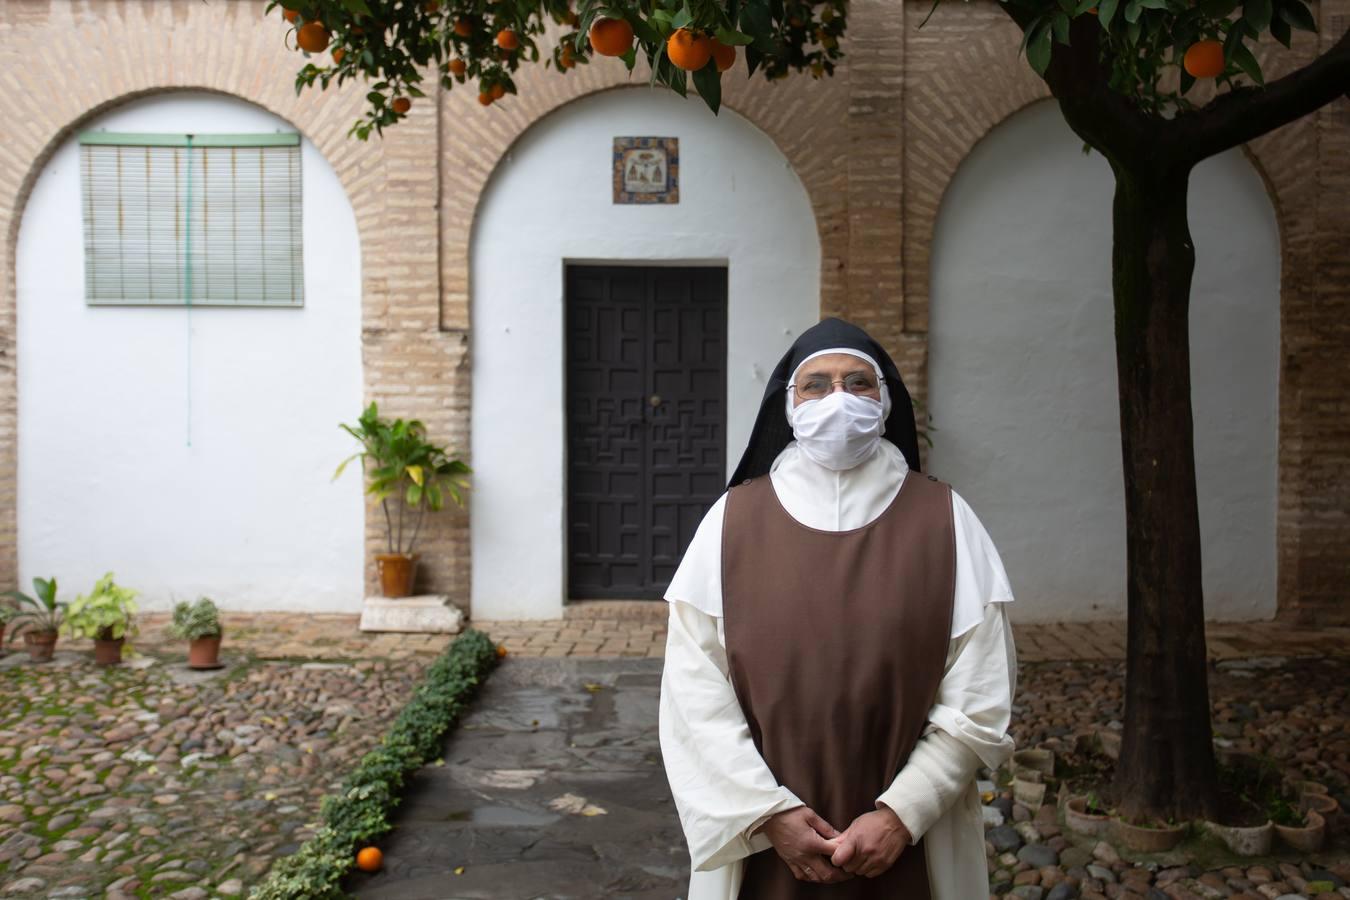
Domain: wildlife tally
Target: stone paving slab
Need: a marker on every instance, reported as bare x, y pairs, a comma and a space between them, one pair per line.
551, 787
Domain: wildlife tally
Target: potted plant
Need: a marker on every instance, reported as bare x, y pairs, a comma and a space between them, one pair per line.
199, 624
413, 475
108, 615
1086, 815
39, 619
1145, 835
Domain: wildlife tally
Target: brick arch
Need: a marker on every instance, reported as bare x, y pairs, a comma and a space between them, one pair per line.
127, 52
944, 122
804, 119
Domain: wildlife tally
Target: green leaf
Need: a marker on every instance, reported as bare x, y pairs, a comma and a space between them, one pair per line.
1084, 6
1247, 62
644, 30
1257, 13
681, 20
732, 38
359, 7
1038, 50
1294, 13
1187, 80
708, 83
1106, 11
1217, 9
1279, 29
1132, 31
1060, 25
1153, 4
1133, 10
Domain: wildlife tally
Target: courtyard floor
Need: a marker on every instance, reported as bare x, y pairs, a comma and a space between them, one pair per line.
151, 780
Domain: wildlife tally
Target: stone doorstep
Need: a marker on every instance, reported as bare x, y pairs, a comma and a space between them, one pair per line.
426, 613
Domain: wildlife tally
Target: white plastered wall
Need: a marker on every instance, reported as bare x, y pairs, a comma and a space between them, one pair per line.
1023, 379
550, 202
246, 513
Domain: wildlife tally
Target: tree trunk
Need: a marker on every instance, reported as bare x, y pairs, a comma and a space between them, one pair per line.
1166, 766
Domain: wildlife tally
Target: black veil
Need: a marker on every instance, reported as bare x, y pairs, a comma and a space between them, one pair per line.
772, 431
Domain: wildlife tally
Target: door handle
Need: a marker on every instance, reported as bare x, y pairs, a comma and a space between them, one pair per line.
654, 400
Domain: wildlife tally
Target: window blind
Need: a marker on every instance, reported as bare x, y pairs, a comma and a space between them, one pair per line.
208, 219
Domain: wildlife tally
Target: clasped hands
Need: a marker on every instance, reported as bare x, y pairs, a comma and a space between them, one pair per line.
815, 851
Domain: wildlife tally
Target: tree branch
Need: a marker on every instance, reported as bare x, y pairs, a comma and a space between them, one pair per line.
1080, 81
1247, 113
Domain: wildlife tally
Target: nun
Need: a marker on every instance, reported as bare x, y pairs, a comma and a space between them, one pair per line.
839, 663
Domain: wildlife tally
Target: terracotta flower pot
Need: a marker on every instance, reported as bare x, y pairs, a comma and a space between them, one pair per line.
1029, 790
41, 645
1077, 818
204, 652
1326, 806
108, 651
1145, 840
2, 637
1253, 840
1306, 838
397, 572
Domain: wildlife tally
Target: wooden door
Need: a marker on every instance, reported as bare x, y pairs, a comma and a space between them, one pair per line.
646, 421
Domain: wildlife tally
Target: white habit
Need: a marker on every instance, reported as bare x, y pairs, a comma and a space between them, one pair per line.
722, 787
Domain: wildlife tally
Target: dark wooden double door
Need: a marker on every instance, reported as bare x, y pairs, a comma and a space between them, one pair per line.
646, 421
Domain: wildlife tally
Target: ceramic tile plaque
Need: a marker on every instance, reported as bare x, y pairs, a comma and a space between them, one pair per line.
646, 170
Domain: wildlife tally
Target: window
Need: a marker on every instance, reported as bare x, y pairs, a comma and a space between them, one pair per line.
181, 219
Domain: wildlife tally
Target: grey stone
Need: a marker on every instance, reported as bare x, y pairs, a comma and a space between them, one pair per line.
1038, 855
1062, 891
1003, 838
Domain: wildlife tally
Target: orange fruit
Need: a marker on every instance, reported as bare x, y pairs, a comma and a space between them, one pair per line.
501, 650
565, 58
369, 859
401, 105
290, 15
689, 50
485, 98
725, 54
498, 91
312, 37
507, 39
611, 37
1204, 59
338, 53
457, 66
431, 5
463, 27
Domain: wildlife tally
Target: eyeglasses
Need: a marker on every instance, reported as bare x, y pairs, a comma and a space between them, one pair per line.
813, 387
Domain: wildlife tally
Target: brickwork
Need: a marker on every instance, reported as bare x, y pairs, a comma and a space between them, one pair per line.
875, 148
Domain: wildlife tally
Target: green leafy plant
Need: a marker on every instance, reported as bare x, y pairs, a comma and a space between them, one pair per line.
194, 620
358, 812
108, 612
403, 466
7, 612
40, 614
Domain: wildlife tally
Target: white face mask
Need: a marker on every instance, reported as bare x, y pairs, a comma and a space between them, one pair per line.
839, 430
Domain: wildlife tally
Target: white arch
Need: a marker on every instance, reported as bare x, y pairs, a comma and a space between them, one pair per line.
550, 202
1022, 370
107, 481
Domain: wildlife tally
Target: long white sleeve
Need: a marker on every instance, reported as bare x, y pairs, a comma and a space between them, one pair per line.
968, 725
723, 789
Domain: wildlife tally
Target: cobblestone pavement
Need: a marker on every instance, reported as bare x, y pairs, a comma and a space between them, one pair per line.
153, 780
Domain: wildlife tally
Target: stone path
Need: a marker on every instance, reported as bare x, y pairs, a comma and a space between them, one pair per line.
552, 787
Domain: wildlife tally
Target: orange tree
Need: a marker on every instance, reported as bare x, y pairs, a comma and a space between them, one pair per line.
1124, 73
